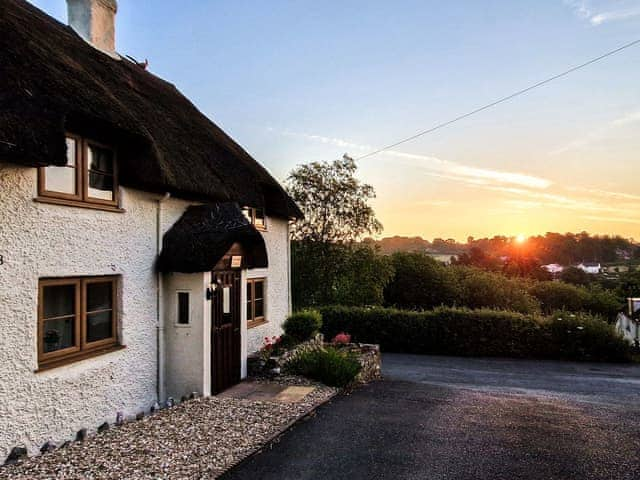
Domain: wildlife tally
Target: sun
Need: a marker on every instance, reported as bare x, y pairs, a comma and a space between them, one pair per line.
520, 238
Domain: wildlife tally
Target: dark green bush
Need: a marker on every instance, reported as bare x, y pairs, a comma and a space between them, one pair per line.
555, 296
328, 365
586, 337
303, 325
453, 331
482, 289
420, 282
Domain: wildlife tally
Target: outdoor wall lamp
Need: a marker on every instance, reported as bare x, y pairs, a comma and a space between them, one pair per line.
210, 289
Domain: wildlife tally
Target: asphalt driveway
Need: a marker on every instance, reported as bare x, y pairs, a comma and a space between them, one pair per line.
454, 418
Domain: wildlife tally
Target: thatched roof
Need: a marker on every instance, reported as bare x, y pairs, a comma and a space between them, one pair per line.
52, 82
204, 234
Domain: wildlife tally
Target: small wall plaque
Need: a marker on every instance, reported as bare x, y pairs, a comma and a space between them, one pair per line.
236, 261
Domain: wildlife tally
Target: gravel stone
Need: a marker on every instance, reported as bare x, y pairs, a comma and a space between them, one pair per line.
197, 439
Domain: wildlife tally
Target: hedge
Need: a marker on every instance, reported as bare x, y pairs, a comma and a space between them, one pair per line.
464, 332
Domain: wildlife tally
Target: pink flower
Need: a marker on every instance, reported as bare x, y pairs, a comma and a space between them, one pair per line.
342, 338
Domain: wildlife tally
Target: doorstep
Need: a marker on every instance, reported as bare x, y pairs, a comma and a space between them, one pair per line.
267, 392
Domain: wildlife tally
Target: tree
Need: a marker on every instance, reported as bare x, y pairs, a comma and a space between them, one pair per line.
329, 266
334, 202
575, 276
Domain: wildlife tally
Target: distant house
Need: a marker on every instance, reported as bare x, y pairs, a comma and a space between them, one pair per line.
590, 267
143, 253
553, 268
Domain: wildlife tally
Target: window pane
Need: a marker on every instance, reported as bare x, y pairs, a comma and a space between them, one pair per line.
183, 308
100, 164
58, 334
260, 289
259, 306
60, 179
98, 326
249, 311
226, 300
59, 300
100, 160
249, 292
100, 186
99, 296
71, 152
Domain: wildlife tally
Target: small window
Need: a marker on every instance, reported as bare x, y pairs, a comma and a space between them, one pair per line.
89, 177
183, 308
76, 317
255, 302
256, 216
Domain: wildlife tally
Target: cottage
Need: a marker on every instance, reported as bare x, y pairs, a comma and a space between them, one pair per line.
143, 252
591, 268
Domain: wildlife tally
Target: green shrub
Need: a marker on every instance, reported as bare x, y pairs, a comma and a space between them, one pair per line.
482, 289
583, 336
463, 332
420, 282
555, 296
303, 325
328, 365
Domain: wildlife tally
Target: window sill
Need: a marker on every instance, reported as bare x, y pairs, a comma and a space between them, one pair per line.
78, 357
259, 323
76, 203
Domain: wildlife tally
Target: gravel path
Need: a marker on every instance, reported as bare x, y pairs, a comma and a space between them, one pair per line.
199, 438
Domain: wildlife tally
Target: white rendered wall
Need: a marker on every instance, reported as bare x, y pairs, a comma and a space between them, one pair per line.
39, 240
277, 287
188, 346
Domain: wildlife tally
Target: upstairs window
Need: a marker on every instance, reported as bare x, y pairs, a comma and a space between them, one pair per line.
256, 216
89, 177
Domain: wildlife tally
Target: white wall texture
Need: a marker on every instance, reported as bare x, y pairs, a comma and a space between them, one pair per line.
39, 240
277, 284
188, 358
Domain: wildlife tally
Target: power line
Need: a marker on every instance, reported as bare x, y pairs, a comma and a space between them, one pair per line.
502, 100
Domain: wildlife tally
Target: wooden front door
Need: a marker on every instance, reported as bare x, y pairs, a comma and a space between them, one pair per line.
225, 325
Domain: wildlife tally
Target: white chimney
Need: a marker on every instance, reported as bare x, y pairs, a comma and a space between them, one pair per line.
95, 22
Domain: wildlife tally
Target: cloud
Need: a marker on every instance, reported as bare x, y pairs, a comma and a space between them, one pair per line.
613, 219
586, 11
529, 199
606, 193
614, 15
598, 134
435, 166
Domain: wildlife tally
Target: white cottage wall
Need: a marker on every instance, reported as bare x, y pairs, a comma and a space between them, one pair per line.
41, 240
187, 355
277, 303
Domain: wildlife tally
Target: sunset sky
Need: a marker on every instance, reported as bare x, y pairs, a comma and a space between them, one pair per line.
300, 81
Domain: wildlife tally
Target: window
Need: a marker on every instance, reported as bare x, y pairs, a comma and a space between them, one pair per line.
255, 302
76, 318
256, 216
88, 178
183, 308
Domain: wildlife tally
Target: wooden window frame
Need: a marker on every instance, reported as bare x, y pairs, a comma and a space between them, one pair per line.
82, 349
252, 320
252, 211
81, 198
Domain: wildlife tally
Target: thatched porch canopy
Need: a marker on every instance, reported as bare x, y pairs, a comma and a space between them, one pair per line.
204, 234
53, 82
